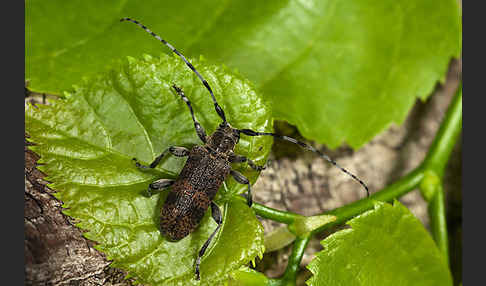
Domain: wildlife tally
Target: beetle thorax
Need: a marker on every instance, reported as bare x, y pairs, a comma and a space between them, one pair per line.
224, 139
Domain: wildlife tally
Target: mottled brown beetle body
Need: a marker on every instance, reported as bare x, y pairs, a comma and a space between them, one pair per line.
191, 194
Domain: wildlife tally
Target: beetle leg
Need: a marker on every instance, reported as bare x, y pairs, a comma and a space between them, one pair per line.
159, 185
216, 214
243, 180
199, 129
174, 150
235, 158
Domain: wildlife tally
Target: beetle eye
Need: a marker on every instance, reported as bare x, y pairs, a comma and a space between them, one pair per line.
227, 140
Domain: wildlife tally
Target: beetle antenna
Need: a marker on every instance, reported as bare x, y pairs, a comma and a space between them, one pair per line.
250, 132
218, 108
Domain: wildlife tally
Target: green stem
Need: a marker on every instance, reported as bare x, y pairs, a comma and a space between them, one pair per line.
446, 137
273, 214
395, 190
435, 163
438, 223
289, 277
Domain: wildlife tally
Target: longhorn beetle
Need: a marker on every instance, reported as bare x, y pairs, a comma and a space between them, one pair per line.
206, 168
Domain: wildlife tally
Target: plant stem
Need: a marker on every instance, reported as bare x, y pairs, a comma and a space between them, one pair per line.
395, 190
295, 258
438, 223
446, 137
290, 275
435, 162
273, 214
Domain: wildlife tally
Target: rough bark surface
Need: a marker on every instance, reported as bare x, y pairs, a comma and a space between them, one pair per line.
56, 253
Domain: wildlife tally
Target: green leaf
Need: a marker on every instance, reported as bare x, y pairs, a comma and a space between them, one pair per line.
247, 277
278, 239
86, 142
305, 224
341, 71
385, 246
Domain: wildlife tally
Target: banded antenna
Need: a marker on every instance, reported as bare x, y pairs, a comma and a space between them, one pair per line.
218, 108
250, 132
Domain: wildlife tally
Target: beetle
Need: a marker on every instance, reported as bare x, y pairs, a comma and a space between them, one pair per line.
206, 168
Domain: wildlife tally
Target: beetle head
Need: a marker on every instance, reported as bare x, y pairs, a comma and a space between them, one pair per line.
224, 138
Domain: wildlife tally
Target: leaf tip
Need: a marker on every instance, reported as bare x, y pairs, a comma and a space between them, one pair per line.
147, 57
131, 60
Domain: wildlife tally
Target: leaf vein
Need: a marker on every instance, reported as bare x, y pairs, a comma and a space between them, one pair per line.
132, 109
107, 135
304, 51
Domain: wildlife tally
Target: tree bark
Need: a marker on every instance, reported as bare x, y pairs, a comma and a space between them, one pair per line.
55, 252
